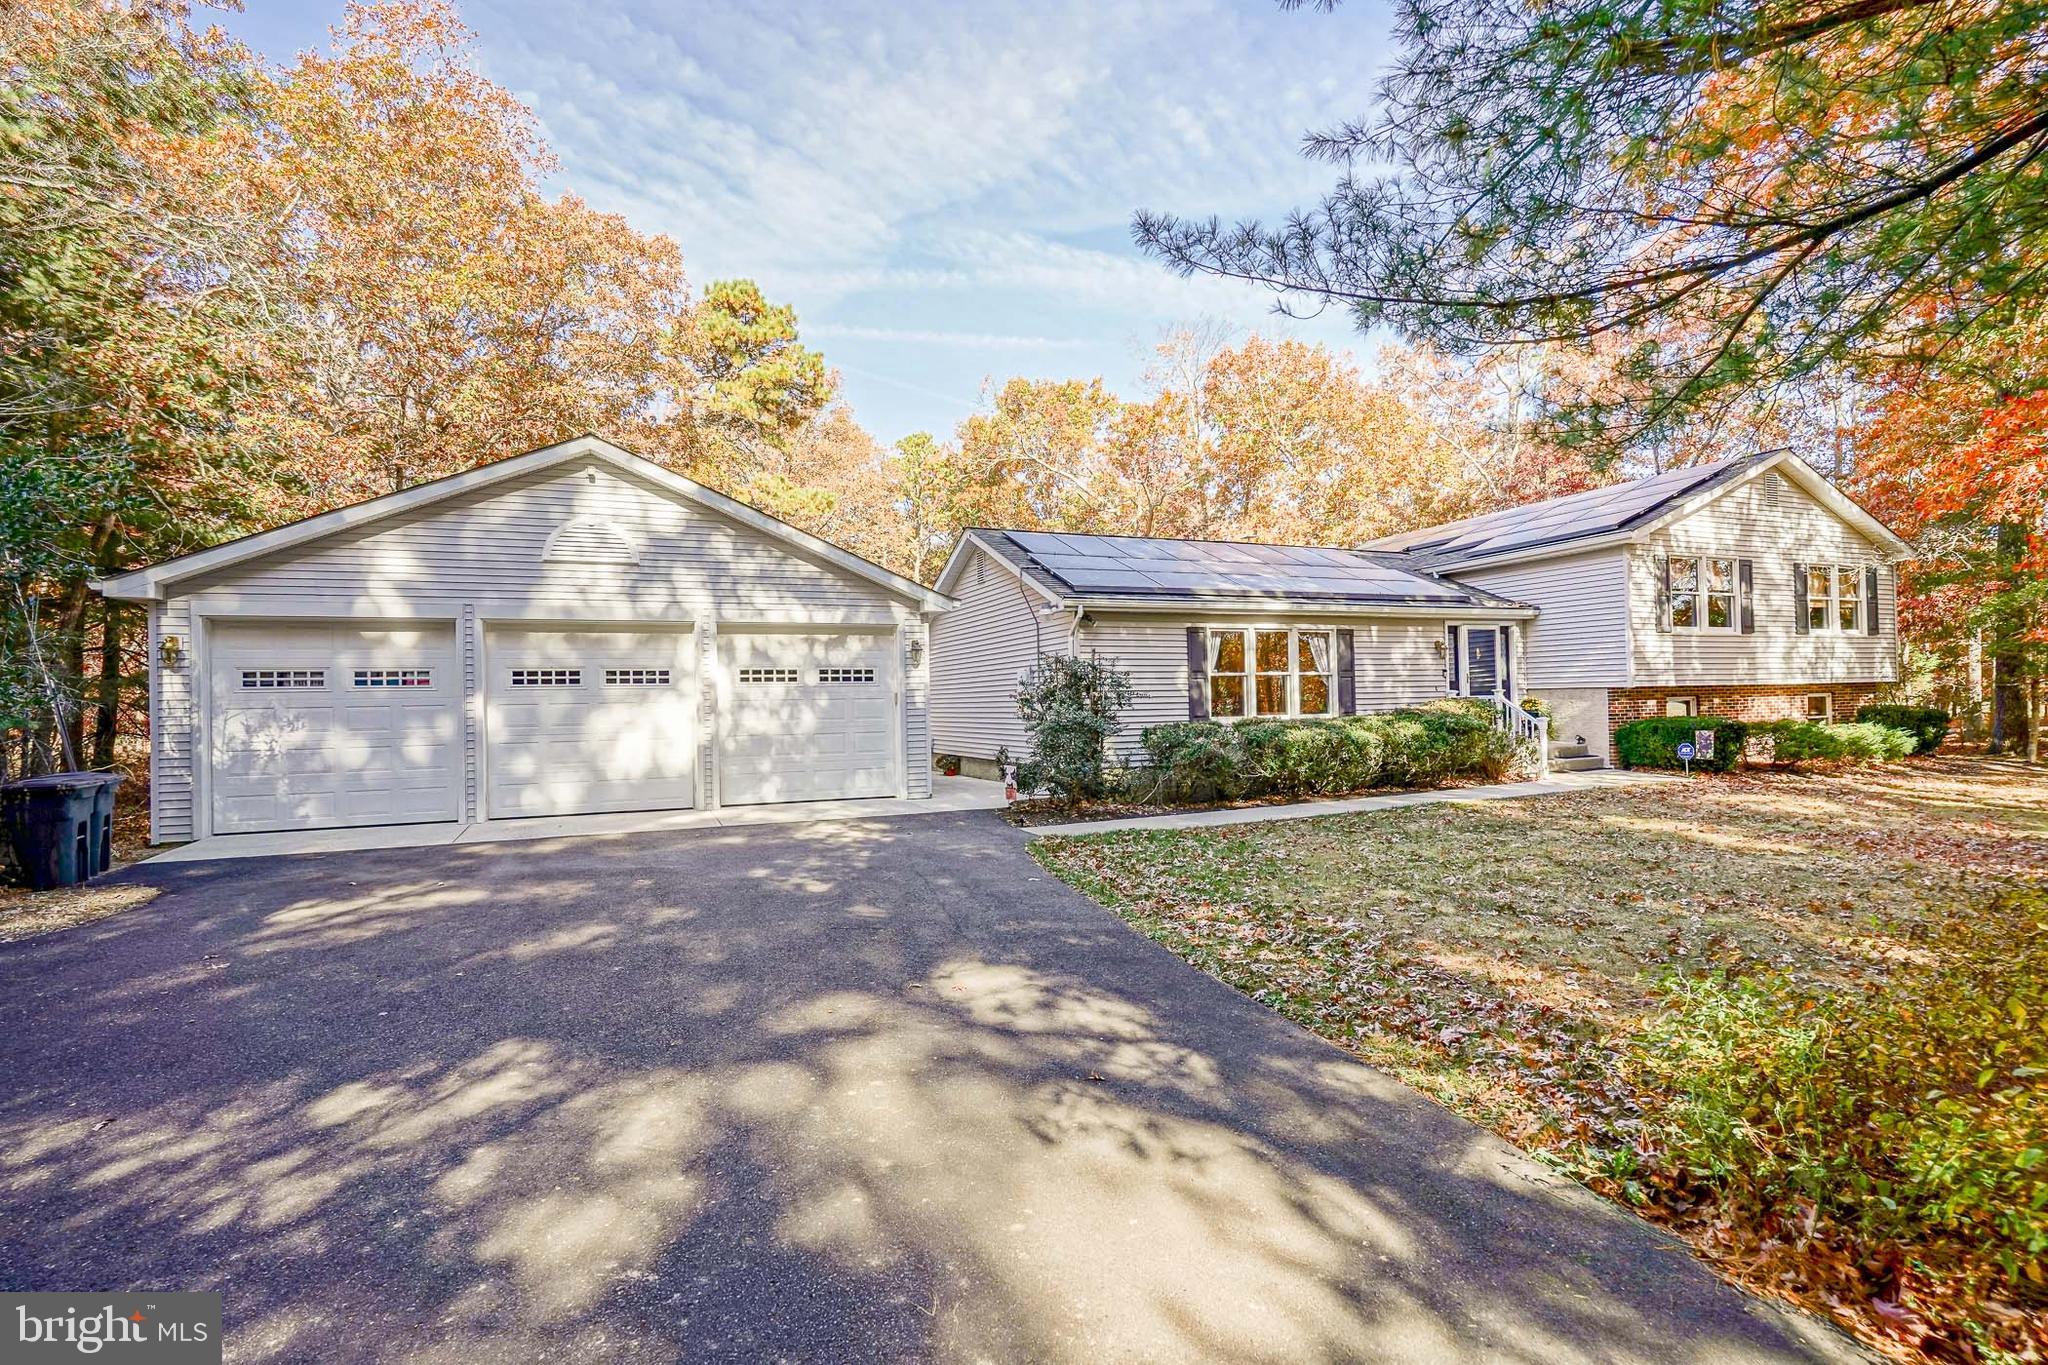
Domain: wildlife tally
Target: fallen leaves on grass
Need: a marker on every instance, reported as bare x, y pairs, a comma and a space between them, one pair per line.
24, 914
1500, 956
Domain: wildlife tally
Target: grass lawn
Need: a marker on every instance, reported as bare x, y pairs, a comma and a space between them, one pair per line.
1507, 957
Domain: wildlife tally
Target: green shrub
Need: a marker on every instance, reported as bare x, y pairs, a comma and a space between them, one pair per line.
1071, 709
1928, 725
1209, 760
1871, 743
1653, 743
1305, 757
1194, 760
1912, 1112
1792, 742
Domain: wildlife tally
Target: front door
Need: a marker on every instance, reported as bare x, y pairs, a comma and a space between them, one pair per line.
1482, 661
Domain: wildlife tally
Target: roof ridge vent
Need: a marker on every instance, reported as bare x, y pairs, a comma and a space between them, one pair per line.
590, 540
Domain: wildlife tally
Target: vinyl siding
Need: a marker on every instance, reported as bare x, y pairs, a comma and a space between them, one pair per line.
488, 548
1394, 662
1580, 639
980, 650
172, 712
481, 557
917, 735
1742, 523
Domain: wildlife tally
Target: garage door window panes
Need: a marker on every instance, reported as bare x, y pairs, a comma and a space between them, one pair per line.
846, 675
759, 676
263, 679
547, 677
394, 677
636, 677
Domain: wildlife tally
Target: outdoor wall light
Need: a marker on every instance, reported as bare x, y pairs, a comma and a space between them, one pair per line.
170, 651
916, 653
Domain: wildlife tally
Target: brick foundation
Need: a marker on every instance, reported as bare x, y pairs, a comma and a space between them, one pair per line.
1772, 701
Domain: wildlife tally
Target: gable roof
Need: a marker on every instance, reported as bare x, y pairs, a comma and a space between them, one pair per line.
1621, 511
1216, 575
148, 584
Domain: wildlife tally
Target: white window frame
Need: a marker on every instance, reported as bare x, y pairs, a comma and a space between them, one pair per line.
1702, 594
1827, 707
1831, 604
1252, 672
1691, 705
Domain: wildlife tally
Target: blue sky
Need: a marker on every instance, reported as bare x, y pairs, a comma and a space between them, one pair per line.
943, 189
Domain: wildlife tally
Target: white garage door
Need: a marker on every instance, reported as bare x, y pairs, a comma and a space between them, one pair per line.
807, 718
318, 726
579, 721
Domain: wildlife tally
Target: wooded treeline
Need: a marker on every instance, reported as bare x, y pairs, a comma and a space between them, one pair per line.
234, 293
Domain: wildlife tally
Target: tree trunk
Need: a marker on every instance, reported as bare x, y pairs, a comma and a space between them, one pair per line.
2033, 720
2008, 703
2009, 711
107, 713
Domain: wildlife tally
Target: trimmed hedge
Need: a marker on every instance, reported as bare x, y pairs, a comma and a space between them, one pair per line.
1806, 741
1653, 743
1928, 725
1206, 760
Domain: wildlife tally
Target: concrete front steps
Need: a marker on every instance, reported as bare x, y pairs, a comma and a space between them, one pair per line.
1573, 758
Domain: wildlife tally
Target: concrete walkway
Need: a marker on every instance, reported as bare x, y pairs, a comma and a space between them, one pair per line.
1307, 810
949, 796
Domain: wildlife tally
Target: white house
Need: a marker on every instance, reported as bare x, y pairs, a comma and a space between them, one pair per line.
1749, 587
1207, 630
571, 630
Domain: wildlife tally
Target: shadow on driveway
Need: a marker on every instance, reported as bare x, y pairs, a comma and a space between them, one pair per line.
831, 1092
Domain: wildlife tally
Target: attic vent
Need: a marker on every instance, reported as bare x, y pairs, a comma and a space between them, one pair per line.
1773, 485
590, 540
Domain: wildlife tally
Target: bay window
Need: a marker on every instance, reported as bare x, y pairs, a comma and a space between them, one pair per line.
1271, 671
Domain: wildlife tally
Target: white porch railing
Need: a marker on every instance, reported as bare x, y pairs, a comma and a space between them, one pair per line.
1527, 729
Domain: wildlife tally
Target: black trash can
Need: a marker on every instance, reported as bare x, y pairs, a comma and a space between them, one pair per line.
53, 828
102, 831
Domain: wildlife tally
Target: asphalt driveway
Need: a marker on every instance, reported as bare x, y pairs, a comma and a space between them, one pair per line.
865, 1091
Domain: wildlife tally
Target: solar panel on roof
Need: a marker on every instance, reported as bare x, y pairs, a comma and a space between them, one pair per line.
1589, 513
1115, 580
1154, 566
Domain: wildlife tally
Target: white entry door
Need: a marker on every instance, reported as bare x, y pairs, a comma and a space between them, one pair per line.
580, 721
807, 718
316, 726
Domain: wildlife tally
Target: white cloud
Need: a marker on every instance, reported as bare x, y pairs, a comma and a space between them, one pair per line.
911, 170
975, 341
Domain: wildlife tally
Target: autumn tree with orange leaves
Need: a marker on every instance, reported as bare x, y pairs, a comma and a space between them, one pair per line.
239, 294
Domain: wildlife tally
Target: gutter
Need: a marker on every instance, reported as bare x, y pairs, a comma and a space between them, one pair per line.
1255, 606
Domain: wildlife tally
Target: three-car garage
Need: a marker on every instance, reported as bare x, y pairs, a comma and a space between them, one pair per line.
574, 631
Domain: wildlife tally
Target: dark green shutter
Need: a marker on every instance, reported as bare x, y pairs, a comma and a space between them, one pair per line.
1799, 599
1871, 618
1745, 584
1198, 673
